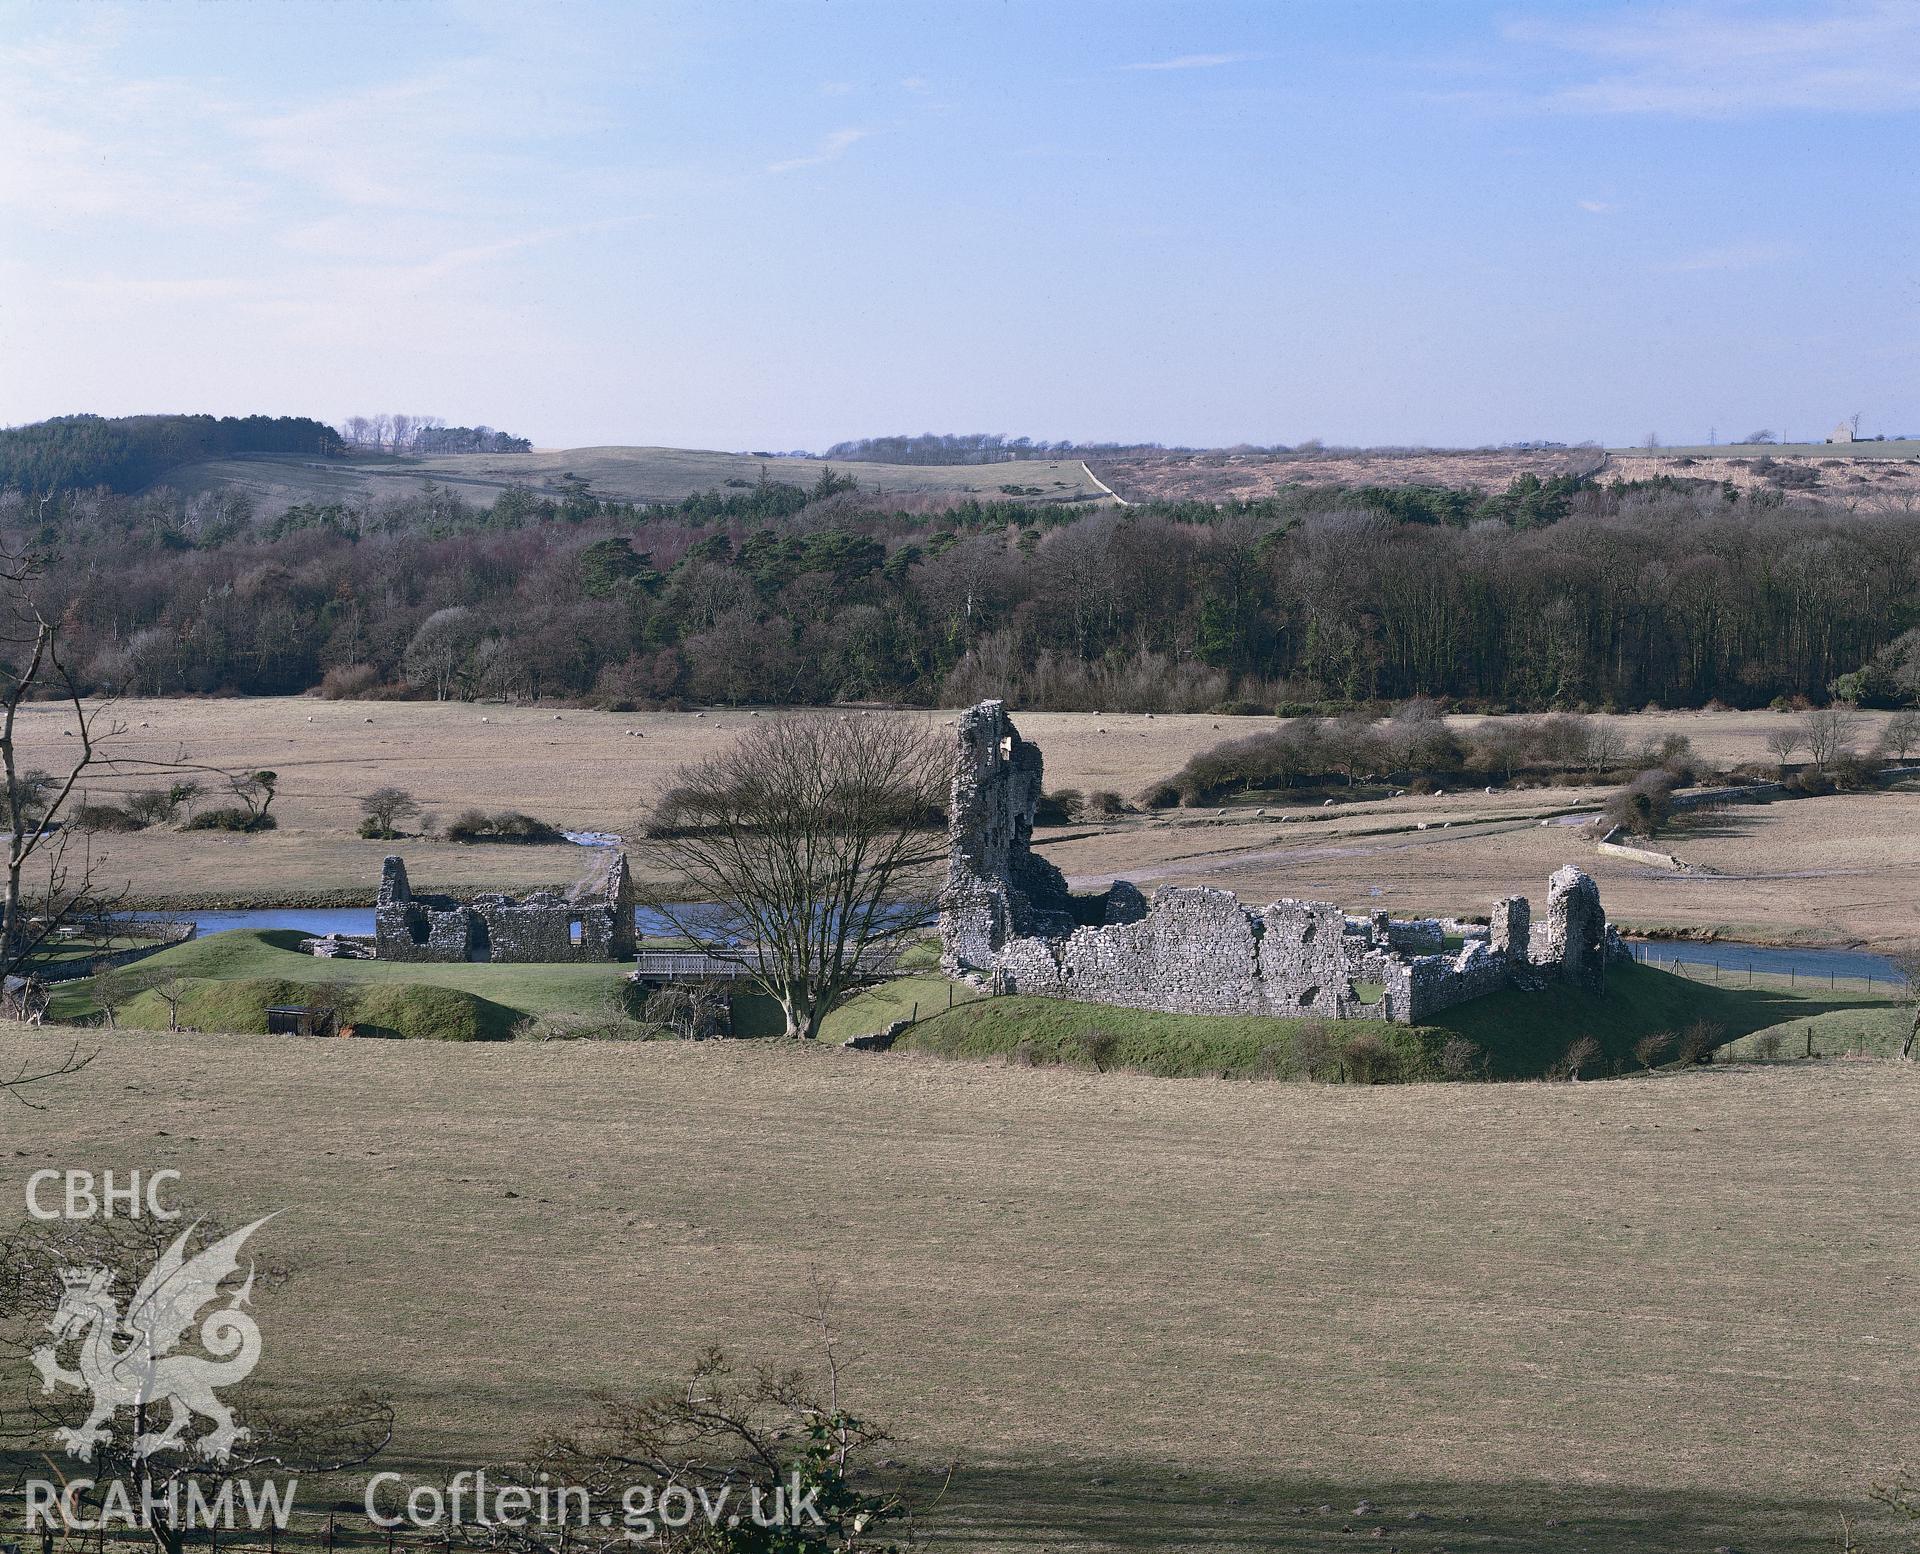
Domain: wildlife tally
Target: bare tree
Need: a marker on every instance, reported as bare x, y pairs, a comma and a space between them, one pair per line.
1784, 741
1901, 736
1829, 732
1907, 962
812, 832
163, 981
384, 809
50, 883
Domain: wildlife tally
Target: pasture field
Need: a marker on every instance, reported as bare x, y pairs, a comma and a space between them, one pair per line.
1642, 1316
1828, 870
622, 474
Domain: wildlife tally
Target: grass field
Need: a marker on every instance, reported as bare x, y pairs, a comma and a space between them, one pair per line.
1633, 1317
1816, 870
624, 474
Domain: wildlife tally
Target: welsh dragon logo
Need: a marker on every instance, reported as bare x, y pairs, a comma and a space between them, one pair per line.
127, 1361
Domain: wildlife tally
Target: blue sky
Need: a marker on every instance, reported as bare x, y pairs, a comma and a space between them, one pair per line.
779, 224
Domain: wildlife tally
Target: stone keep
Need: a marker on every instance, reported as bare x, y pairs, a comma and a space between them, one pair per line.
595, 925
1008, 921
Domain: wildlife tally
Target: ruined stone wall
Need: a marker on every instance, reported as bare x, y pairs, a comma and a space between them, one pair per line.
1009, 922
998, 888
536, 928
1573, 942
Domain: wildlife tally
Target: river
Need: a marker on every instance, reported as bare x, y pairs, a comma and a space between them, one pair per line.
1730, 955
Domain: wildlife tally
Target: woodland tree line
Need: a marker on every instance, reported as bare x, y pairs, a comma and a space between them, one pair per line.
1540, 597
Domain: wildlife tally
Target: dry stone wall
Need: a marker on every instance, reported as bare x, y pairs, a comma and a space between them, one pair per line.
1009, 922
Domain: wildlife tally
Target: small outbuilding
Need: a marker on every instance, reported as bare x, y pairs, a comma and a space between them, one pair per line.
299, 1020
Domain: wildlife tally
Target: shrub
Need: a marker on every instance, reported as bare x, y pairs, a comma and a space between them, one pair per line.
507, 825
1098, 1047
1105, 801
1656, 1048
1581, 1054
156, 806
559, 1025
1059, 807
1461, 1058
231, 818
1767, 1045
1314, 1051
1368, 1059
102, 817
1644, 805
348, 682
1853, 773
1698, 1040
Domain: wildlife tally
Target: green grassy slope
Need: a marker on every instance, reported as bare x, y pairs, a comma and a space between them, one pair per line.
235, 975
1525, 1033
1522, 1035
270, 956
629, 474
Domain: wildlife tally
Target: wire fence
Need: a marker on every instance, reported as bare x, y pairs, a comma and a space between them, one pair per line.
1793, 979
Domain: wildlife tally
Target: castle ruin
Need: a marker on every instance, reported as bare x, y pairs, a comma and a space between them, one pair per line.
595, 925
1009, 921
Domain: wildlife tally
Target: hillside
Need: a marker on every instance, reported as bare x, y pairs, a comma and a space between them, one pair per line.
275, 484
1879, 470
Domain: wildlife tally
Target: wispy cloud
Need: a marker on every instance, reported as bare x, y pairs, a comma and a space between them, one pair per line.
1723, 61
914, 83
1190, 62
832, 148
1751, 255
1597, 207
